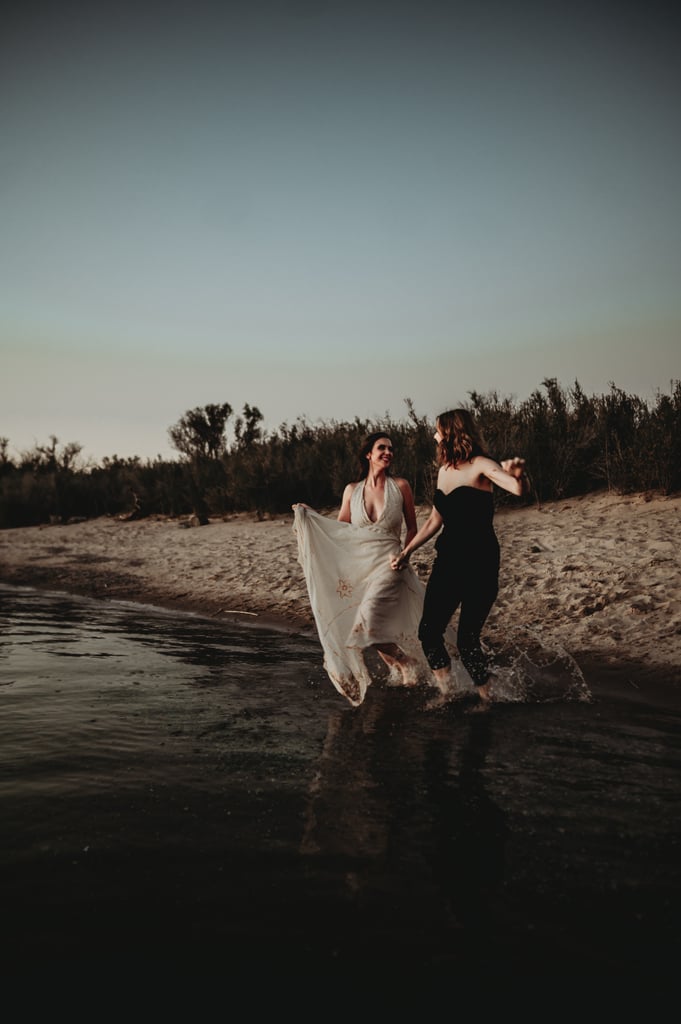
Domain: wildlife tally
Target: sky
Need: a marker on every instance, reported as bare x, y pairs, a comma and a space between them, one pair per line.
323, 209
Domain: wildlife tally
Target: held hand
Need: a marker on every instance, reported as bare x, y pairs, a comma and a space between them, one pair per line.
514, 467
399, 561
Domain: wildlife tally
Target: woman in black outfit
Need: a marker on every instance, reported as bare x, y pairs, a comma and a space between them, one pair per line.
465, 573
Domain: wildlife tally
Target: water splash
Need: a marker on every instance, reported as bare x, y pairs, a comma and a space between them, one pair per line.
529, 669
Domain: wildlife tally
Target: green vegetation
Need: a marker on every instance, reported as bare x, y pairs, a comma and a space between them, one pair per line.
573, 444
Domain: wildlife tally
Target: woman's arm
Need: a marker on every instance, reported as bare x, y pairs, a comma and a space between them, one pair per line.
344, 511
408, 508
511, 474
431, 526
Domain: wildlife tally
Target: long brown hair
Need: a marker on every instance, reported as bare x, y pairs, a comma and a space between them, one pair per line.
461, 438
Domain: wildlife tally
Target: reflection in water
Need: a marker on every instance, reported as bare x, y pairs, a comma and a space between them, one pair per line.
473, 829
400, 802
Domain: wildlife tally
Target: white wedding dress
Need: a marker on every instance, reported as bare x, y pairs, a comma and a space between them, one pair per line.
357, 599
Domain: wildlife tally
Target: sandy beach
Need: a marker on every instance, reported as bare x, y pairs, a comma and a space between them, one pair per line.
599, 575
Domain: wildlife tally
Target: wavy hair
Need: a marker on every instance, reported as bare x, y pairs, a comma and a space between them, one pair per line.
461, 438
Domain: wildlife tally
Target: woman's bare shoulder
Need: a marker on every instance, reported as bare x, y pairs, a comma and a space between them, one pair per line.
402, 483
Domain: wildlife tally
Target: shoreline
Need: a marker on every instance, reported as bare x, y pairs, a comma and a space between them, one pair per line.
625, 678
77, 558
118, 587
598, 575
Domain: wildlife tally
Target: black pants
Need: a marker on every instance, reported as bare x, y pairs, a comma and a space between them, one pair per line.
472, 586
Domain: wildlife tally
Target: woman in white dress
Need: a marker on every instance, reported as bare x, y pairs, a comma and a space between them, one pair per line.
360, 605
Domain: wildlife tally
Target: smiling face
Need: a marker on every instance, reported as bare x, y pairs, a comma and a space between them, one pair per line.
381, 455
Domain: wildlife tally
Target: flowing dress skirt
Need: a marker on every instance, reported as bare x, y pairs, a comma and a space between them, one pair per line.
358, 600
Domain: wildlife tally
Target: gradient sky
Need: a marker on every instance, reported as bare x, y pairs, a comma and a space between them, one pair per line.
321, 209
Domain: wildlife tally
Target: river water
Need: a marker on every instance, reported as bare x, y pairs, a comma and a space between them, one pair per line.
176, 790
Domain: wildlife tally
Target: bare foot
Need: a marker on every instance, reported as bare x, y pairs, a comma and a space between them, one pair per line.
485, 692
436, 702
447, 693
410, 672
442, 700
407, 667
484, 702
443, 680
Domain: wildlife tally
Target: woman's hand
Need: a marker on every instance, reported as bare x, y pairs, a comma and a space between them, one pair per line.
514, 467
398, 562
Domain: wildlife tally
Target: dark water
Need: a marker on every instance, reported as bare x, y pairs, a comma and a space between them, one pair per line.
177, 791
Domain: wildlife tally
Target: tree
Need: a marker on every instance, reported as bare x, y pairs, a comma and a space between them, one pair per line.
5, 460
246, 429
60, 461
200, 433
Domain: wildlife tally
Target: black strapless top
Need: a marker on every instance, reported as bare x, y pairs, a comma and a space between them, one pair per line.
467, 514
465, 508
